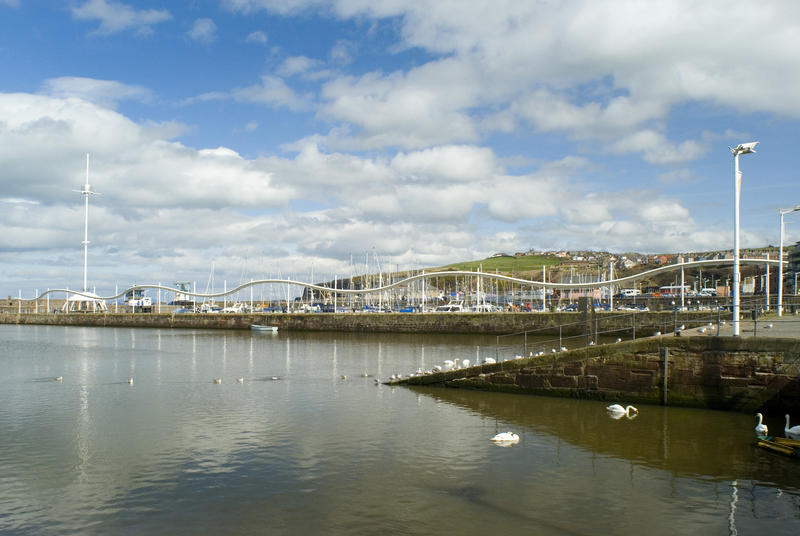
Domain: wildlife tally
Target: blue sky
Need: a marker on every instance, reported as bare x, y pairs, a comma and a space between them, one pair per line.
273, 138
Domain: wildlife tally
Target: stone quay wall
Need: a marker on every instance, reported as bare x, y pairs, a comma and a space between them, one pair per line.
569, 324
730, 373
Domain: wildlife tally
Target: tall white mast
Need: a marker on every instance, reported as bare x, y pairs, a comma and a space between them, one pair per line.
86, 191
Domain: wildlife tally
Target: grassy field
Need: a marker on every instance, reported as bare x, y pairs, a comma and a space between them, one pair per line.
507, 265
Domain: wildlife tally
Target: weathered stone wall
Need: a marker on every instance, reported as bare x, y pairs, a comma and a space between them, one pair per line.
731, 373
488, 323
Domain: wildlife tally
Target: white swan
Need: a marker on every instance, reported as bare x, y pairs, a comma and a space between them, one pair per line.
506, 439
449, 362
761, 429
130, 381
489, 361
465, 363
217, 380
240, 380
60, 378
617, 411
793, 432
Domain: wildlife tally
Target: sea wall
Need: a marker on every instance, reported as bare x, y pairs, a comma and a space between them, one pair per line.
731, 373
568, 324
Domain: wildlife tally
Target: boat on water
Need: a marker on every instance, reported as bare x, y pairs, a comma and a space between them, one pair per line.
261, 327
780, 445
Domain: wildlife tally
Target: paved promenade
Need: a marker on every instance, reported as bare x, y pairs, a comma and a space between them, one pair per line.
769, 325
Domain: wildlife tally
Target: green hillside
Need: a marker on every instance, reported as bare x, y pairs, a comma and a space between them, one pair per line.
525, 263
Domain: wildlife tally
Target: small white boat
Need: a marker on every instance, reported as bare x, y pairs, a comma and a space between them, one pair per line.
260, 327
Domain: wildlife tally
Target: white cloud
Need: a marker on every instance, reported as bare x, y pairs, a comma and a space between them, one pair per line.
203, 30
258, 37
422, 108
295, 65
116, 17
657, 149
448, 163
272, 91
106, 93
594, 70
676, 176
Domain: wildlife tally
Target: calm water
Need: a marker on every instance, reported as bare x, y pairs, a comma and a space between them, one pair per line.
312, 453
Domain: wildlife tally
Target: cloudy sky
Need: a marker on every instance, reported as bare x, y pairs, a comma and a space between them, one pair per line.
273, 138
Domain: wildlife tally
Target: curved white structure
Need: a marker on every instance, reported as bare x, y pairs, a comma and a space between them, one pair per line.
428, 275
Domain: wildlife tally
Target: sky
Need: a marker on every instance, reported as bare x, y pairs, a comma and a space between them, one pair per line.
310, 139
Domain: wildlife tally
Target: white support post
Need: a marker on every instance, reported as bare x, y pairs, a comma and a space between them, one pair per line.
683, 292
767, 284
610, 286
544, 288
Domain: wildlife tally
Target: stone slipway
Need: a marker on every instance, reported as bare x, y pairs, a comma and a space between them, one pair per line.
730, 373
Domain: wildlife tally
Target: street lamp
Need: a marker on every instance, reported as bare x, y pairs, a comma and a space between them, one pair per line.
742, 148
782, 212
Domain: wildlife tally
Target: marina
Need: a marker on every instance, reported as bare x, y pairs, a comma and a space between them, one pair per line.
307, 442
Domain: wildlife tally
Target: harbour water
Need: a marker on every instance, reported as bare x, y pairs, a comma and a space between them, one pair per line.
323, 450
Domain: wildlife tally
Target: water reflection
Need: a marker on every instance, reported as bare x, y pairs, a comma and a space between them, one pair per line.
685, 442
314, 454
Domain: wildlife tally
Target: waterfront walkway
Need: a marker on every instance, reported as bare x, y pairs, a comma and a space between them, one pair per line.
787, 326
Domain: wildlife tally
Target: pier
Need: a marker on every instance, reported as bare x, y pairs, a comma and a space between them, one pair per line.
691, 368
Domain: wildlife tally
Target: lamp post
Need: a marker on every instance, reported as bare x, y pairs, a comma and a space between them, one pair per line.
782, 212
742, 148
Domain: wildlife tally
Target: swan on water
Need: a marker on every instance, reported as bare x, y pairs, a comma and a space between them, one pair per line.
449, 362
240, 380
793, 432
761, 428
130, 381
60, 378
275, 378
506, 439
616, 411
217, 380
